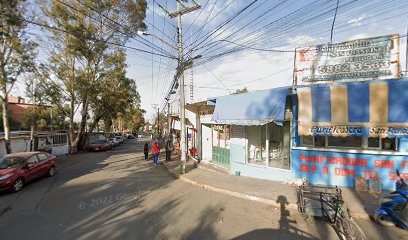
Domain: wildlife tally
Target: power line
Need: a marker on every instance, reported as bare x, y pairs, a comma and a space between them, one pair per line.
219, 80
93, 39
118, 24
192, 23
277, 36
228, 21
244, 16
334, 19
258, 49
258, 79
93, 18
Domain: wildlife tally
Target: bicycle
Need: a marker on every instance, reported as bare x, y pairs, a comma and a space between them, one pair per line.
327, 203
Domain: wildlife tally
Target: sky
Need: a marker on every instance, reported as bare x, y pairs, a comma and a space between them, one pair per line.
240, 27
292, 24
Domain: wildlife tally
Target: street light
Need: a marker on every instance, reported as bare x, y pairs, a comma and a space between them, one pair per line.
144, 33
182, 65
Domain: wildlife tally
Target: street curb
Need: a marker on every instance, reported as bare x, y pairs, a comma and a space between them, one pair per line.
292, 206
288, 205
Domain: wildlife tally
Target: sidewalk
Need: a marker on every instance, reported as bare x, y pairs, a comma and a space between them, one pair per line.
360, 205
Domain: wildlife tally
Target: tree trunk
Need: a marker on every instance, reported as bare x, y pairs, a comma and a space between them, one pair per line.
82, 124
95, 124
32, 137
6, 126
72, 146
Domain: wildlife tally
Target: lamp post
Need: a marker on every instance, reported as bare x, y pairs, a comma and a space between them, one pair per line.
182, 65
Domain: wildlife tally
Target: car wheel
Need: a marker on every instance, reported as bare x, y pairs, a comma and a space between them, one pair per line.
18, 185
51, 171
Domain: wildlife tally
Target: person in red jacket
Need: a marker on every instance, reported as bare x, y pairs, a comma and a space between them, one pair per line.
155, 151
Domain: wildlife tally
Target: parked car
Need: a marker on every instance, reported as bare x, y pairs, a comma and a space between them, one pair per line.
114, 141
120, 139
100, 145
130, 136
18, 169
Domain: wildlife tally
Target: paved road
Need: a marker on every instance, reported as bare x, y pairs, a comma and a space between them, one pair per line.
117, 195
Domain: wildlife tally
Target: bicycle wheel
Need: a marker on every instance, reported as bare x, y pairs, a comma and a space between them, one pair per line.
352, 231
338, 228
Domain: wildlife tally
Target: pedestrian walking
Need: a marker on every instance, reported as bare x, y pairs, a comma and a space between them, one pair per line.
146, 151
169, 148
155, 151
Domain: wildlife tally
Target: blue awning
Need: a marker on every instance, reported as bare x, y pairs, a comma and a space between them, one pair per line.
371, 108
253, 108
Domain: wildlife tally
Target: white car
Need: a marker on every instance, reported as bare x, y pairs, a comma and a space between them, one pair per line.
114, 141
120, 139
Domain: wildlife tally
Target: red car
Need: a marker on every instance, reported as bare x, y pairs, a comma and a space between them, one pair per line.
100, 145
17, 169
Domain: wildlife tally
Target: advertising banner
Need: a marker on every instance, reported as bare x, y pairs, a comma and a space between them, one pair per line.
342, 169
356, 60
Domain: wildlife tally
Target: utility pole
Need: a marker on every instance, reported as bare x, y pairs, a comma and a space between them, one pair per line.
192, 80
158, 122
168, 119
183, 136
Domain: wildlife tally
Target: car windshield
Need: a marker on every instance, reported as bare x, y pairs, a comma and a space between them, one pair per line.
118, 137
99, 142
11, 162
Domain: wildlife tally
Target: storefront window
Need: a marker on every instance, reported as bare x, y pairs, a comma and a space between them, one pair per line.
256, 145
306, 141
373, 143
279, 145
320, 141
348, 142
388, 144
221, 136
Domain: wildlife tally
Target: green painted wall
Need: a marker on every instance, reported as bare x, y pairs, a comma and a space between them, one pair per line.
221, 156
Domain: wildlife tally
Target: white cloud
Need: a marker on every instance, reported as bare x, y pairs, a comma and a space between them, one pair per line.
243, 68
355, 22
301, 41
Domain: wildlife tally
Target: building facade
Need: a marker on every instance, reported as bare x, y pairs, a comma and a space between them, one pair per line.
328, 133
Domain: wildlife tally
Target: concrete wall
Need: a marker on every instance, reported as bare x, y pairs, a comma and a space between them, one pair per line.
21, 144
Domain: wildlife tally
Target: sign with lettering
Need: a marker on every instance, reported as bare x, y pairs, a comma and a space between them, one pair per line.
353, 131
362, 59
206, 112
343, 169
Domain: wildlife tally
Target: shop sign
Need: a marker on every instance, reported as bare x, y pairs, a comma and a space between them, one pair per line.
206, 112
353, 131
343, 169
362, 59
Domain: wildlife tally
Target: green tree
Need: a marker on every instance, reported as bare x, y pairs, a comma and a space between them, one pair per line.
133, 118
16, 51
239, 91
162, 122
81, 56
114, 94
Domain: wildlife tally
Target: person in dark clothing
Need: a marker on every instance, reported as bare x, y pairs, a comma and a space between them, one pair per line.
146, 151
169, 148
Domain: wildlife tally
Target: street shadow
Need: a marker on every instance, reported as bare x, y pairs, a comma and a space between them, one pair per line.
286, 230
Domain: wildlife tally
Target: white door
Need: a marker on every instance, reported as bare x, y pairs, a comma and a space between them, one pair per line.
206, 136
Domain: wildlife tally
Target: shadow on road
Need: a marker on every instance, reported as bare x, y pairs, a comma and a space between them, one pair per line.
286, 229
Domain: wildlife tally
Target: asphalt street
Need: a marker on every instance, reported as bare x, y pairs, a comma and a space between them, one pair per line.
117, 195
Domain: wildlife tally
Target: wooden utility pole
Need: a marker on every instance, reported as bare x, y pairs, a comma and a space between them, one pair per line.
181, 10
